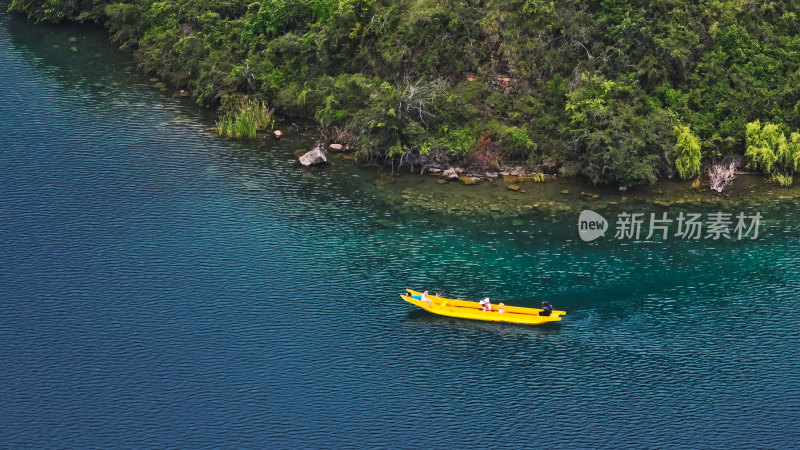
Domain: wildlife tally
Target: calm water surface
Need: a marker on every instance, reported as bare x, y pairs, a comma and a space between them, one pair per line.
162, 287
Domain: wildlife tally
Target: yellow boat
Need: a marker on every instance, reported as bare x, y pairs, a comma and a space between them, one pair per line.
463, 309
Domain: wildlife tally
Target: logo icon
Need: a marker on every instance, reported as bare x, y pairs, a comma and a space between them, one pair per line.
591, 225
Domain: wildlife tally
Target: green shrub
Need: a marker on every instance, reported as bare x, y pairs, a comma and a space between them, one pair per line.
459, 142
763, 145
687, 149
244, 118
773, 154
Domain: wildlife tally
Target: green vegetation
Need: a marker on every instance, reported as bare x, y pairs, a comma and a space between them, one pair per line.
770, 151
688, 153
619, 91
243, 117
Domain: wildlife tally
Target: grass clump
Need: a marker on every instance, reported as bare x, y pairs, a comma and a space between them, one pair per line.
244, 117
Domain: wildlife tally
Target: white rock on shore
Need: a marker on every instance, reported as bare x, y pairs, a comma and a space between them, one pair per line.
313, 157
450, 174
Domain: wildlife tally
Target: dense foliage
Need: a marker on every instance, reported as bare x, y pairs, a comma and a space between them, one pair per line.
620, 91
769, 150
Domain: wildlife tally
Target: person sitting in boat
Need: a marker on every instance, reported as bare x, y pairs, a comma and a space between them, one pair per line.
502, 308
486, 305
424, 297
547, 309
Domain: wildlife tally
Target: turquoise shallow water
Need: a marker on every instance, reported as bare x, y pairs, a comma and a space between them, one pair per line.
162, 287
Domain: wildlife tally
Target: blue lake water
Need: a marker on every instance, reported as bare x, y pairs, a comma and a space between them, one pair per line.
162, 287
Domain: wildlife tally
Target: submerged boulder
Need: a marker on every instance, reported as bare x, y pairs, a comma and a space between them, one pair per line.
468, 179
313, 157
590, 196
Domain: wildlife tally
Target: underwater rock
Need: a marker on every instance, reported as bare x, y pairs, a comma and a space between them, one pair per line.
384, 180
73, 39
469, 180
160, 85
441, 181
590, 196
313, 157
513, 187
565, 192
385, 223
73, 49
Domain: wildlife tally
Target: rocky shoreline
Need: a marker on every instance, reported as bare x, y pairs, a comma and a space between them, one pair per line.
515, 190
445, 173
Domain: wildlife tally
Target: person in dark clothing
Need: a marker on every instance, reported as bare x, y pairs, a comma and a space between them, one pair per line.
547, 309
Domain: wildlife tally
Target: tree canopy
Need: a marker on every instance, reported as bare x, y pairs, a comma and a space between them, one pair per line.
620, 91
